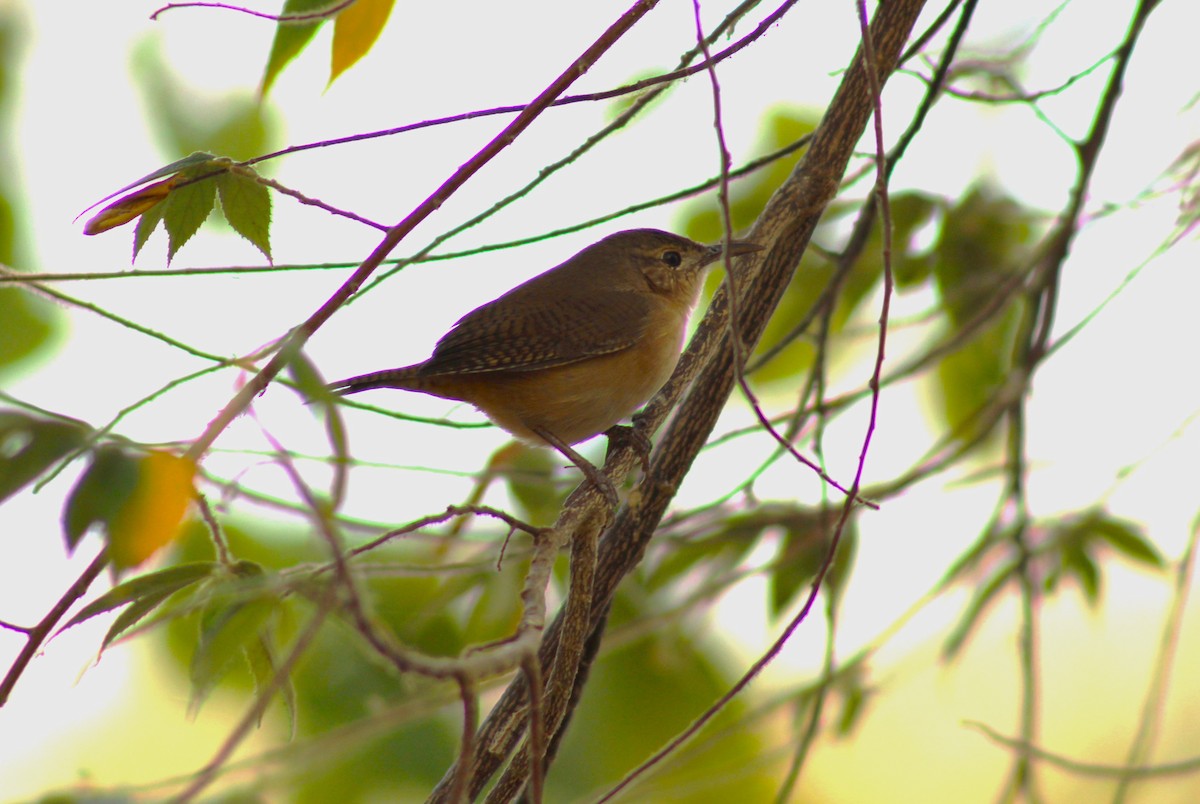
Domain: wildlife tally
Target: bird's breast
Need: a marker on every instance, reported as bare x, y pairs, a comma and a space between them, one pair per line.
581, 399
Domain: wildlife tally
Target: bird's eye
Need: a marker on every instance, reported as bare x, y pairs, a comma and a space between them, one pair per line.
672, 258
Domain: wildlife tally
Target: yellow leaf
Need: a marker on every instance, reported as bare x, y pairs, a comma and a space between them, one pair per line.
125, 209
152, 515
355, 31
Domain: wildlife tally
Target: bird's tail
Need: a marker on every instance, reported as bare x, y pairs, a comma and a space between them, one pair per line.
405, 378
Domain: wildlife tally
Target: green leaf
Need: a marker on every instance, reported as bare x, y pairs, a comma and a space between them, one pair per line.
984, 597
720, 550
290, 39
29, 446
497, 611
263, 668
187, 207
715, 552
225, 640
355, 32
28, 324
100, 493
531, 480
226, 632
146, 225
1080, 564
971, 375
911, 213
246, 205
161, 585
1126, 538
133, 614
985, 242
801, 552
236, 123
152, 515
307, 378
310, 383
854, 697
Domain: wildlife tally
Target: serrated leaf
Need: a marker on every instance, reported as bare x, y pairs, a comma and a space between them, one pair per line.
162, 583
246, 205
28, 446
1126, 538
226, 633
145, 227
100, 492
263, 667
133, 614
152, 515
186, 209
290, 39
355, 31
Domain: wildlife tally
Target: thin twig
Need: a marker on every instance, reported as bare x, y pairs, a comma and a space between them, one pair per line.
36, 635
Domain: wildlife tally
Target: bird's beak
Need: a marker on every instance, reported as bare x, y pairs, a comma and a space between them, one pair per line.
736, 248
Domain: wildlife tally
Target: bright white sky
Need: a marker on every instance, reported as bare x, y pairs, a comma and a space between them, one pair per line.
1123, 394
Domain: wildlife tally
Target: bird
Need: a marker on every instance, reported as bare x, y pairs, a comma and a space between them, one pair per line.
571, 352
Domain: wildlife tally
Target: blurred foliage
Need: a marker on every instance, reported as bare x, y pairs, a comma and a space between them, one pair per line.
234, 125
363, 731
340, 687
984, 247
792, 333
1065, 548
639, 696
31, 445
376, 733
140, 502
532, 481
29, 322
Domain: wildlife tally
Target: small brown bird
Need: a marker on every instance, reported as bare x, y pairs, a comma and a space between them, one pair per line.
571, 352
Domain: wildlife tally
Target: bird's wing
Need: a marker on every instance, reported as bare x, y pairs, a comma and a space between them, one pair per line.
517, 332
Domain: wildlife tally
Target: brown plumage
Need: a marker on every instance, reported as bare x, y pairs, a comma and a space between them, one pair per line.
574, 350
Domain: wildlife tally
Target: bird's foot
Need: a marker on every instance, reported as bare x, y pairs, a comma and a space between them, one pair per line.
589, 469
621, 435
